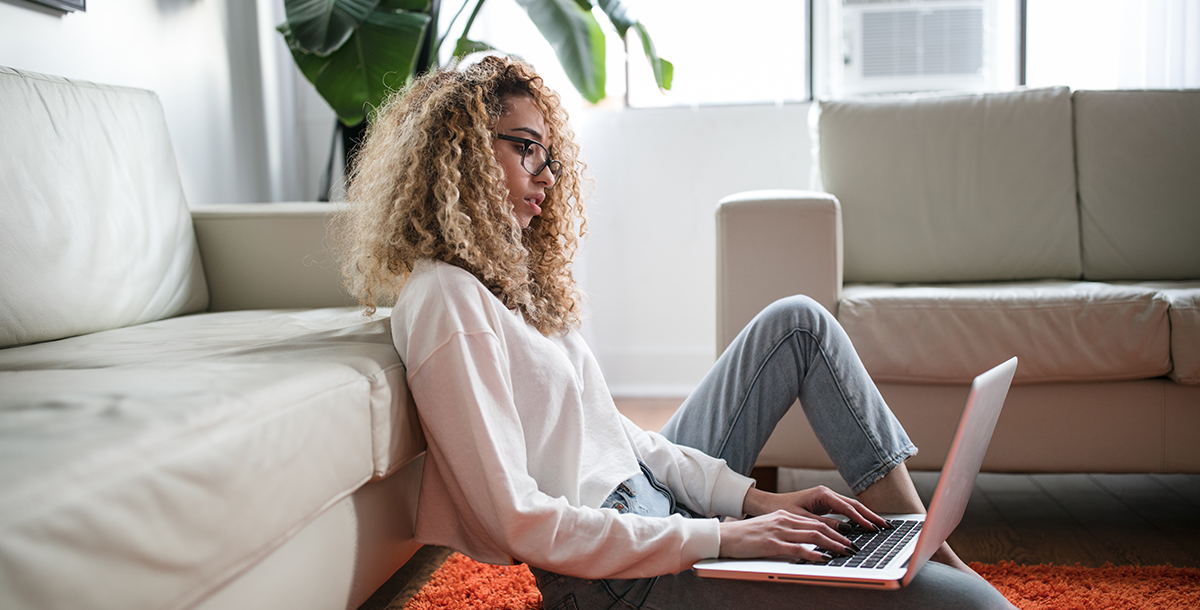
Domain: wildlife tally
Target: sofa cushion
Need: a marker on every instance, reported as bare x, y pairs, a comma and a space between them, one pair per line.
1061, 331
956, 188
1185, 328
92, 207
339, 336
1139, 188
151, 484
177, 453
1185, 333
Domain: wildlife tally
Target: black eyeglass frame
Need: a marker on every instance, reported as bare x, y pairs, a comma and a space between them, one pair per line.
554, 164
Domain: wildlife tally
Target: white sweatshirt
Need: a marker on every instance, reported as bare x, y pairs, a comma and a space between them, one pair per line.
525, 443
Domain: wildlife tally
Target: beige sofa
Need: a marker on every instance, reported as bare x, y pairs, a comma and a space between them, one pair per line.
190, 417
952, 232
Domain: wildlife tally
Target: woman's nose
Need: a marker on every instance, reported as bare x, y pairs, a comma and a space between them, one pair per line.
545, 177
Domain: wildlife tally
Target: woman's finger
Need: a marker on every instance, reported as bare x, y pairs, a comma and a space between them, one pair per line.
814, 531
867, 513
824, 541
815, 555
855, 511
838, 525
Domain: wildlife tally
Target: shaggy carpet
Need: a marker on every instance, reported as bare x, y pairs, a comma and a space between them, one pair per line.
1045, 587
464, 584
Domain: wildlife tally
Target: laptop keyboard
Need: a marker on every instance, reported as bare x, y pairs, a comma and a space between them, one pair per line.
878, 548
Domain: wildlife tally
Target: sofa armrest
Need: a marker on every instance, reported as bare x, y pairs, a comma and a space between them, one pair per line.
268, 256
773, 244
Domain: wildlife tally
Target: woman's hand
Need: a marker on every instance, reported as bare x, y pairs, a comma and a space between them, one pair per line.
783, 523
813, 502
782, 534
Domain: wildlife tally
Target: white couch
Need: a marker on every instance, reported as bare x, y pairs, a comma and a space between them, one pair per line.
190, 416
952, 232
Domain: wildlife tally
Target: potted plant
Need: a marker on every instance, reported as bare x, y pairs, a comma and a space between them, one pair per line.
357, 51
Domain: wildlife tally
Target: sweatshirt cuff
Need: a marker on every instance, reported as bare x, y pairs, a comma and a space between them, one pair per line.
729, 493
702, 540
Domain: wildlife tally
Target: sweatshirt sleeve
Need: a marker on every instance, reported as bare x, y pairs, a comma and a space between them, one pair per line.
703, 483
464, 396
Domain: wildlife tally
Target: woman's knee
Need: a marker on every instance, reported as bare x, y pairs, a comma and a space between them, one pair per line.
952, 588
797, 311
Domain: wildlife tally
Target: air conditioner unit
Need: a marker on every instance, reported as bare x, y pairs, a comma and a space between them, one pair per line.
914, 45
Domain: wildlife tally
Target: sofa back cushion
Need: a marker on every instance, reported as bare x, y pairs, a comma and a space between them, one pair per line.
1139, 183
94, 230
954, 188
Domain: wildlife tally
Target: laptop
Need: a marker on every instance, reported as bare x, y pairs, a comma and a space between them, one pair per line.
893, 562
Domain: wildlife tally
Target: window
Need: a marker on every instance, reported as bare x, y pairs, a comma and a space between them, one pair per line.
1113, 44
894, 46
775, 51
749, 51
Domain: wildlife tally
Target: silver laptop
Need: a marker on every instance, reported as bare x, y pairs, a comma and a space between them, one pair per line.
891, 559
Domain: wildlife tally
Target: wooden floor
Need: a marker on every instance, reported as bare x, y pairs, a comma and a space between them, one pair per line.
1065, 519
1060, 519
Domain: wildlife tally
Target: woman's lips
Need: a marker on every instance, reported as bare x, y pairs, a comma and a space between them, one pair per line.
535, 203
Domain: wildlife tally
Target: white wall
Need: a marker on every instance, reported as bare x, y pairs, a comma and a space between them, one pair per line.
204, 58
649, 263
243, 135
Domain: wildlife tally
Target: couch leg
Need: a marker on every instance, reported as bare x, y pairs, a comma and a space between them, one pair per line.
767, 477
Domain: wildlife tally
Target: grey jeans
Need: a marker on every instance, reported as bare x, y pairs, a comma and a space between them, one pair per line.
792, 349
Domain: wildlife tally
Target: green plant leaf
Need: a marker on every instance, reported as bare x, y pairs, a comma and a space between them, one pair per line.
664, 71
465, 47
309, 63
622, 18
619, 15
377, 59
420, 6
323, 26
577, 40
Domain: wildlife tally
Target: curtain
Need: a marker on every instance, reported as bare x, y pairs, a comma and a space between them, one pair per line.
1160, 44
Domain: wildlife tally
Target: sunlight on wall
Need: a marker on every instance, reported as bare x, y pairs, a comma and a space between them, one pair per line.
650, 260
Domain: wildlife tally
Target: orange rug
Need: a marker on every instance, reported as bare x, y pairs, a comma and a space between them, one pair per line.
1126, 587
464, 584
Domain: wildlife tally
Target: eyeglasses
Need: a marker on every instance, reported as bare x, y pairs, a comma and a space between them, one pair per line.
534, 156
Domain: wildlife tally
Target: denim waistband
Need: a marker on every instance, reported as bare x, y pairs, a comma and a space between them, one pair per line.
642, 495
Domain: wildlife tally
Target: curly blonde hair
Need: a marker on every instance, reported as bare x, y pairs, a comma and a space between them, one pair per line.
427, 185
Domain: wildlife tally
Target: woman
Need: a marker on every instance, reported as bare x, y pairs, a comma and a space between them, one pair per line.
466, 208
